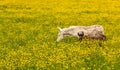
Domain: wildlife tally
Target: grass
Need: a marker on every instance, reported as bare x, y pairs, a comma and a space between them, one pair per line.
28, 32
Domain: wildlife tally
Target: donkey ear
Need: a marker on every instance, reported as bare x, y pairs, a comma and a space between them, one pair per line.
59, 29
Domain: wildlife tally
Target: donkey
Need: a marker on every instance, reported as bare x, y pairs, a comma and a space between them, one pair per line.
91, 32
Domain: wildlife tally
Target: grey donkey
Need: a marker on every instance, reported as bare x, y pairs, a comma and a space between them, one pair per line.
90, 32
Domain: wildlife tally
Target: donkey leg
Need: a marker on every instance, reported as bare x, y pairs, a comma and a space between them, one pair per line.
80, 34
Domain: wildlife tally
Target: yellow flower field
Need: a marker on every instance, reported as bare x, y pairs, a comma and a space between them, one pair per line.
28, 33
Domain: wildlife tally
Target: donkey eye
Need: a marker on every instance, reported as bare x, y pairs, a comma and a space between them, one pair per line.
66, 35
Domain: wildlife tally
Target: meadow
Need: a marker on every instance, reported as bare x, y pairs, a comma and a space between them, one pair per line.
28, 33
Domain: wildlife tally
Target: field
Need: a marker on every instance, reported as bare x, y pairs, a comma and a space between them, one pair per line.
28, 33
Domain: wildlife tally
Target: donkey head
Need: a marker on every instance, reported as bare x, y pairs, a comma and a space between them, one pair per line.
62, 34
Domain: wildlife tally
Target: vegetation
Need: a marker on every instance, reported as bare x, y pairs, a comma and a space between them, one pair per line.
28, 32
